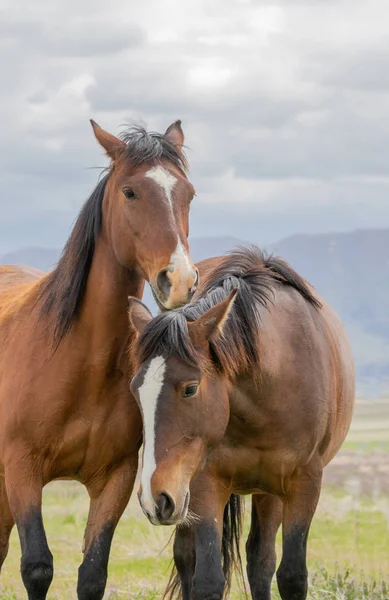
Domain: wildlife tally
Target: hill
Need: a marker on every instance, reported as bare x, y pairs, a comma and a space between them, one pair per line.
40, 258
351, 270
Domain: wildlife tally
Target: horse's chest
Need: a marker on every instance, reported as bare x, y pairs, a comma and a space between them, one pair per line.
99, 428
251, 469
94, 442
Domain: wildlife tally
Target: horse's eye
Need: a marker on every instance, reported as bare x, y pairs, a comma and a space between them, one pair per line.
130, 194
190, 390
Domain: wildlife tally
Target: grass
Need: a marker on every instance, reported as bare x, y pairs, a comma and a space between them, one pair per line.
348, 545
344, 585
370, 426
348, 535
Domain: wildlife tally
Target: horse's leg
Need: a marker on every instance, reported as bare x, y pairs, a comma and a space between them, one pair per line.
109, 498
6, 522
208, 500
184, 558
299, 506
24, 492
266, 516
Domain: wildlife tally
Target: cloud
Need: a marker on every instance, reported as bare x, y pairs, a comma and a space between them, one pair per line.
70, 39
364, 70
284, 107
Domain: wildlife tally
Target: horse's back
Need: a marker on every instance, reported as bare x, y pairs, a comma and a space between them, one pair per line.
16, 282
18, 274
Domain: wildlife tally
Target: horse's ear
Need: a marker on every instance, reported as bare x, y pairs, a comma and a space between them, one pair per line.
139, 314
211, 324
112, 145
175, 135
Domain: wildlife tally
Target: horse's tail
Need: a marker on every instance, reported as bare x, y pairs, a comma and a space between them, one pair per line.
232, 530
231, 557
173, 588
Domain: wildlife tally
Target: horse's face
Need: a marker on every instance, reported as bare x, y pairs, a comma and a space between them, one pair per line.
146, 210
185, 413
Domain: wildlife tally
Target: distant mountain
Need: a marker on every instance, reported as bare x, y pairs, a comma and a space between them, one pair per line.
40, 258
46, 258
206, 247
351, 270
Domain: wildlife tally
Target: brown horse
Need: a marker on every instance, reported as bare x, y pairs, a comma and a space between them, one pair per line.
65, 409
249, 390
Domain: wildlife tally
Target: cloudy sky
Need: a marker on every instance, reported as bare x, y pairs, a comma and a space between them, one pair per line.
285, 108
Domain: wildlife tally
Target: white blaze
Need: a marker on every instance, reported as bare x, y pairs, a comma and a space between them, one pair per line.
149, 393
179, 259
166, 180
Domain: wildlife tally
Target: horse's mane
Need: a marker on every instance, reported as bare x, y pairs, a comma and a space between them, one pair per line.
256, 276
63, 290
144, 147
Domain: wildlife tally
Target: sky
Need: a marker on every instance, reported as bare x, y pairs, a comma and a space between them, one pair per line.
284, 107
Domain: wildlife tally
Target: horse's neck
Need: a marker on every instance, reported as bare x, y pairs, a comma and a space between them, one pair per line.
244, 393
103, 326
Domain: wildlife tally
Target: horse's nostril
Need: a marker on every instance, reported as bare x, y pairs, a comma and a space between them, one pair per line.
165, 507
163, 282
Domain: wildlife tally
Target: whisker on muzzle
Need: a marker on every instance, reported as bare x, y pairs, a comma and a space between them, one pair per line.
191, 519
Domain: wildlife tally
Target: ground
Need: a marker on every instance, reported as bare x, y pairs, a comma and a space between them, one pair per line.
348, 545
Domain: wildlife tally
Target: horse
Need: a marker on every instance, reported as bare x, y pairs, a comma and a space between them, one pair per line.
247, 390
65, 407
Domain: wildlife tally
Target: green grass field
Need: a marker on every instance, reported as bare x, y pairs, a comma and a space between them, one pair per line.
348, 546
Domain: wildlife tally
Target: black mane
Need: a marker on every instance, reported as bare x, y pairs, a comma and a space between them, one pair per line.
255, 275
144, 147
64, 288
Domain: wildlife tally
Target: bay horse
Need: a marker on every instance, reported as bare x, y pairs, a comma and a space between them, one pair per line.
65, 408
248, 390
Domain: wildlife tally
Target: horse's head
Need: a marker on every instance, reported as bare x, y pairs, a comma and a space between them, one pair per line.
146, 209
184, 402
